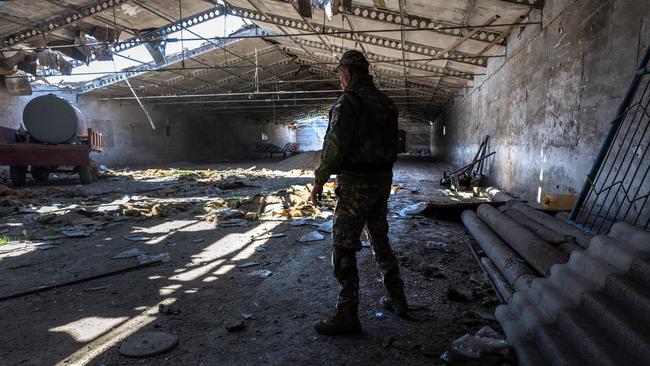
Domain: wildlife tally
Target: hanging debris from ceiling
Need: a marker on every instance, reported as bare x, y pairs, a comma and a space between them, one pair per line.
89, 46
54, 60
157, 52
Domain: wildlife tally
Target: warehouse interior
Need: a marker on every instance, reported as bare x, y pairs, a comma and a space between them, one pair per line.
518, 207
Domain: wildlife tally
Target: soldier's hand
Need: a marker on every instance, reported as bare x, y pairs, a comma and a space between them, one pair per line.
317, 194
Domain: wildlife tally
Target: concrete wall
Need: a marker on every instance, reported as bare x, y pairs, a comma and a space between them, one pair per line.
129, 139
548, 104
310, 136
233, 136
418, 135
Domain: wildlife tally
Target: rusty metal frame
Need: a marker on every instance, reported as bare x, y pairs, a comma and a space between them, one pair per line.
409, 20
325, 71
138, 70
196, 19
366, 38
379, 58
44, 28
194, 73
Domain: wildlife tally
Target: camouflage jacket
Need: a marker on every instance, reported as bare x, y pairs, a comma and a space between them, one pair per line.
361, 141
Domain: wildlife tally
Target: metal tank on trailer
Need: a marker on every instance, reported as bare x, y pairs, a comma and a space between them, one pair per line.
55, 136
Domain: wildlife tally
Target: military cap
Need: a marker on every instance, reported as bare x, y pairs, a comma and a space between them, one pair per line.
353, 58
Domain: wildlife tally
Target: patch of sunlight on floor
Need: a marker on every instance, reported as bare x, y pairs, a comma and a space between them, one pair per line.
87, 329
168, 226
211, 256
224, 269
113, 337
193, 227
234, 242
193, 274
168, 290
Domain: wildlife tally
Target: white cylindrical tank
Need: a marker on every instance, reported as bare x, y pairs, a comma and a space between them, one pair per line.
53, 120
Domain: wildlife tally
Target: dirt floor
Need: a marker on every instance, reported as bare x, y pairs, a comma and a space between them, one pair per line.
207, 282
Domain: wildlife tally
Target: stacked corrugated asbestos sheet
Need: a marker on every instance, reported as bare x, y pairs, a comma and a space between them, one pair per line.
572, 299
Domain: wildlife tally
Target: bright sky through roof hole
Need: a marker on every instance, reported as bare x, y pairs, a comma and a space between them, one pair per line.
209, 29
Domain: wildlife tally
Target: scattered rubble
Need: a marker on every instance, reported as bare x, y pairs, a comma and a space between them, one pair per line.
412, 210
269, 236
137, 238
148, 344
486, 345
145, 259
230, 202
436, 245
154, 208
168, 309
131, 253
235, 325
326, 227
311, 236
262, 273
248, 264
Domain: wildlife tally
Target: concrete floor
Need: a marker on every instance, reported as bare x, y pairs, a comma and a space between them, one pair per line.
85, 323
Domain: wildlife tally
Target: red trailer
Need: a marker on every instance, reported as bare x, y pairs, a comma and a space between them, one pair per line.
42, 159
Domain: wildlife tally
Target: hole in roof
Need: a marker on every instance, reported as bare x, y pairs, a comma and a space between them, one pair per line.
134, 54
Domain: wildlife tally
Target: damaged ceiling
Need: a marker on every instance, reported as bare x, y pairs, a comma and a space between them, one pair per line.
422, 53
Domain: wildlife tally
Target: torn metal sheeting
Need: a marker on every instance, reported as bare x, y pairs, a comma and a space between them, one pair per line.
137, 238
312, 236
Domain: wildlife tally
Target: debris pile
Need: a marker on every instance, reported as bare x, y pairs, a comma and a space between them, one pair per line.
296, 201
154, 208
469, 177
306, 161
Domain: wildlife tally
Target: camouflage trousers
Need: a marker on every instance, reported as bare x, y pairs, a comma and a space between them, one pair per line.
359, 208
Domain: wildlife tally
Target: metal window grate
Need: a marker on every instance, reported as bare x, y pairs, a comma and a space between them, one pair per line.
618, 186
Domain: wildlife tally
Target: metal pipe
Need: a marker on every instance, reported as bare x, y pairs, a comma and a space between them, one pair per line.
609, 138
468, 166
492, 283
515, 270
538, 253
538, 229
496, 195
504, 290
583, 239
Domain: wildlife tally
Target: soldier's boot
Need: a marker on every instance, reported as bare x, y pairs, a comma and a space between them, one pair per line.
395, 300
343, 322
346, 318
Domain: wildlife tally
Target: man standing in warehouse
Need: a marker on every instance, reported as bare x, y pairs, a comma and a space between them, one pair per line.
360, 148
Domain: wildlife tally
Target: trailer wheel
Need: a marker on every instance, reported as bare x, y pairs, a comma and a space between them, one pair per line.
18, 175
40, 173
85, 175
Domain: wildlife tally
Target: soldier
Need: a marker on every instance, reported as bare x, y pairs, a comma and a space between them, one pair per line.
360, 147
